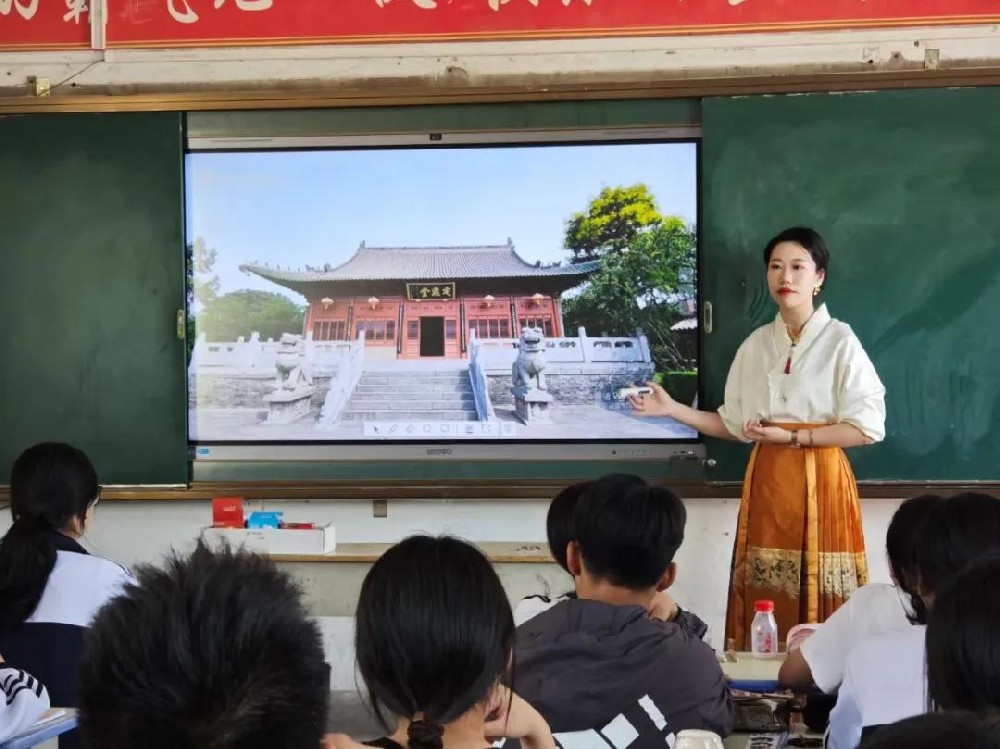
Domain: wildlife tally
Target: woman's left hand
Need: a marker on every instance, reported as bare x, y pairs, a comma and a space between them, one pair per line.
756, 432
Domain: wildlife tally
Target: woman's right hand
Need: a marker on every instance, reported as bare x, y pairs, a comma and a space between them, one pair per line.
657, 403
509, 716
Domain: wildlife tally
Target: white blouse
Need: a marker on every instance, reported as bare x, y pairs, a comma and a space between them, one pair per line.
831, 379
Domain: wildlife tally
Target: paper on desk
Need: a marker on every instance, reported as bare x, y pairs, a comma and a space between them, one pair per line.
48, 716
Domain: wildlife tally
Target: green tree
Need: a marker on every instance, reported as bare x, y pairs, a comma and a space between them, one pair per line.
643, 276
202, 285
243, 312
612, 222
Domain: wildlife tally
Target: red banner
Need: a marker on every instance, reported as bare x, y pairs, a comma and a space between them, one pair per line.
26, 24
145, 23
42, 24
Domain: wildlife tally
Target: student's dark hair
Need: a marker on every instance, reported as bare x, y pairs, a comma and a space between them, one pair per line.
902, 546
50, 484
963, 641
957, 531
951, 730
559, 521
214, 651
628, 531
434, 634
808, 239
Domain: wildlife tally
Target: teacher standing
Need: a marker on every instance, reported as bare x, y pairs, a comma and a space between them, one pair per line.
802, 389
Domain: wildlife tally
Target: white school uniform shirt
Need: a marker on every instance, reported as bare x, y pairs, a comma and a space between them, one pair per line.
884, 682
872, 609
831, 379
48, 643
23, 700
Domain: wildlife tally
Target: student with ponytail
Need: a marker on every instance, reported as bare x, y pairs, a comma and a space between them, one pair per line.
434, 642
50, 587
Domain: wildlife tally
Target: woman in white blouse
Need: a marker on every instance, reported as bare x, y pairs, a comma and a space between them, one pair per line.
802, 389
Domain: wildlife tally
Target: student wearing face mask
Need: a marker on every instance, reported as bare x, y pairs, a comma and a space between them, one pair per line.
802, 389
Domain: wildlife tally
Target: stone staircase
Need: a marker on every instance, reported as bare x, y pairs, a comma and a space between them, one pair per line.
421, 395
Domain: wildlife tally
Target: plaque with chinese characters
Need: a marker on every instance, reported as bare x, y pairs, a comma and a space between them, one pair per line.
430, 291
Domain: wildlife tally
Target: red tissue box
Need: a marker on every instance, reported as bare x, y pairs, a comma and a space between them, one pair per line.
227, 512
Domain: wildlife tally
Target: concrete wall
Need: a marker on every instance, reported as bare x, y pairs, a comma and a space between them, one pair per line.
133, 532
547, 63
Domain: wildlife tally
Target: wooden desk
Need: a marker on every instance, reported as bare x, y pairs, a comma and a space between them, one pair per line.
742, 740
530, 552
748, 667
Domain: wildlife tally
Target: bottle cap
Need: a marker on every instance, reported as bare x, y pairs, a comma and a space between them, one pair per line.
764, 606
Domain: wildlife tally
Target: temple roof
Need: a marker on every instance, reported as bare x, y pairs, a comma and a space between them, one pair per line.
425, 264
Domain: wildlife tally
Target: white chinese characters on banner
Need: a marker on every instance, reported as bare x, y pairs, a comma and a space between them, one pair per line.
496, 4
182, 12
247, 4
425, 4
74, 10
27, 10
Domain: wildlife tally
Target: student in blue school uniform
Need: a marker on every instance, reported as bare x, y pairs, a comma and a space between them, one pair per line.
23, 700
50, 587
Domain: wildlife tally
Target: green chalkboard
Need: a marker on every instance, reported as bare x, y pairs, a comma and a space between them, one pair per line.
905, 185
93, 276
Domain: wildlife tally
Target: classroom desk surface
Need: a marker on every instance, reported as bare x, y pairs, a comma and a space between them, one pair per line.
531, 552
747, 667
48, 730
746, 740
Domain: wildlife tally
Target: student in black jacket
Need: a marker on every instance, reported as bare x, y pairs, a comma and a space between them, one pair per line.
598, 668
560, 532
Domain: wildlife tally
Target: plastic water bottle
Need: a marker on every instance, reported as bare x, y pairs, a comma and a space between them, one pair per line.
764, 631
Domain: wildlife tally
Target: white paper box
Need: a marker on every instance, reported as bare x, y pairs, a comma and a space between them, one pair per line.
276, 541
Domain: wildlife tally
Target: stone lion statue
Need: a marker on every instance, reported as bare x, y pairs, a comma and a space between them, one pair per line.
291, 365
529, 367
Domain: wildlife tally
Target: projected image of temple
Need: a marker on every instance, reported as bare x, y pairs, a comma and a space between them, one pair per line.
504, 291
422, 343
423, 302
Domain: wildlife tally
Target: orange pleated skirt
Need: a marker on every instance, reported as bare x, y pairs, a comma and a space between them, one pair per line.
799, 539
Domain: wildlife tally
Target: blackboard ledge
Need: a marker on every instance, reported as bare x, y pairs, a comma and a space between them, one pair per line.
473, 490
